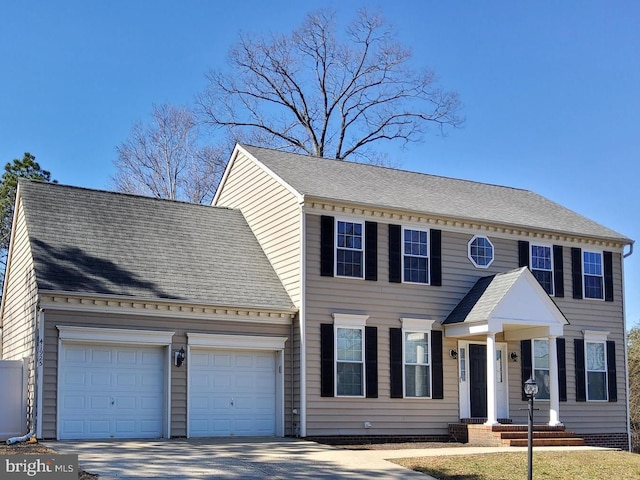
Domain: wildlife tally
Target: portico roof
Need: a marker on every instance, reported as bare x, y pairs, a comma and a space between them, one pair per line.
512, 302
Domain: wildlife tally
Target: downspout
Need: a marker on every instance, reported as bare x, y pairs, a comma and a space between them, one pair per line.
302, 322
39, 371
626, 353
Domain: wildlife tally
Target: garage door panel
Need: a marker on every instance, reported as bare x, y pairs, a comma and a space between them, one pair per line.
113, 395
232, 393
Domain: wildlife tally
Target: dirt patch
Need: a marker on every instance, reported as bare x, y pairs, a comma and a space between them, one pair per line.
400, 446
29, 448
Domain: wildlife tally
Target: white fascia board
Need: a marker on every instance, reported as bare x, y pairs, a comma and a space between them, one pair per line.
245, 342
114, 335
227, 169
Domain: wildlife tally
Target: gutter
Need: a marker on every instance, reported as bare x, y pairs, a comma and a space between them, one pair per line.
630, 252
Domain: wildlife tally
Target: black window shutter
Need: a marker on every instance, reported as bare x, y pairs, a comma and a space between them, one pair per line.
558, 272
327, 226
435, 259
607, 260
395, 253
576, 271
395, 356
611, 371
581, 386
437, 367
523, 253
562, 369
371, 251
326, 360
371, 360
526, 362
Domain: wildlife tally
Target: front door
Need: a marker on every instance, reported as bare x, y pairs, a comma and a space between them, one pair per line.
478, 380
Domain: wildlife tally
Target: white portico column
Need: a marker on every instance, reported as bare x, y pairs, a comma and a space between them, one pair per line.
492, 404
554, 392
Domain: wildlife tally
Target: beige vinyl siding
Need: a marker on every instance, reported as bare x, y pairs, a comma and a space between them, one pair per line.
178, 375
19, 314
18, 327
386, 303
273, 214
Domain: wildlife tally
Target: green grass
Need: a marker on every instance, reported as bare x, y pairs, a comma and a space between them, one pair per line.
576, 465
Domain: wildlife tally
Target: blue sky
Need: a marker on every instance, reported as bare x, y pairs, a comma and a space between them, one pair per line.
551, 90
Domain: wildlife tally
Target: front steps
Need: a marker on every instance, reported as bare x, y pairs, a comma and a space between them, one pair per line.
506, 435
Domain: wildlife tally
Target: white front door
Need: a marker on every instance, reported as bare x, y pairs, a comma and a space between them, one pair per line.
232, 393
110, 391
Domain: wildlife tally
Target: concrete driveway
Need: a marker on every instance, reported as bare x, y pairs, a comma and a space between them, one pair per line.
246, 458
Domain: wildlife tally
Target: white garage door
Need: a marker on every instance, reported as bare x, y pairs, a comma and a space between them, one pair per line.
110, 391
232, 393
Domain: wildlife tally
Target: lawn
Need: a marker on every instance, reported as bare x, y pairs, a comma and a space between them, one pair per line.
572, 465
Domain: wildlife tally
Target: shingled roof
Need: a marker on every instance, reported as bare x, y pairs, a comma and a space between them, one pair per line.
402, 190
98, 242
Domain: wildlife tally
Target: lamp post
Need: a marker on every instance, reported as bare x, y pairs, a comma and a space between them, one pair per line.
530, 391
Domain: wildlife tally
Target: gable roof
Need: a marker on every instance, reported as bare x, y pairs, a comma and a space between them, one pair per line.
98, 242
363, 184
513, 298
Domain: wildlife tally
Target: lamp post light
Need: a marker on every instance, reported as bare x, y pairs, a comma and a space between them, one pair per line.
530, 391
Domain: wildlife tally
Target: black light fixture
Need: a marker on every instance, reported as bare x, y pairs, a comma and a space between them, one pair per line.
530, 391
179, 357
514, 356
453, 353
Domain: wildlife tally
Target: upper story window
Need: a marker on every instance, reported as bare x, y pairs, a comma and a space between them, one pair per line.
592, 275
415, 255
480, 251
349, 249
542, 266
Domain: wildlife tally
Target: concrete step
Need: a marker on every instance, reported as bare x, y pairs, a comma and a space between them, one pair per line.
536, 434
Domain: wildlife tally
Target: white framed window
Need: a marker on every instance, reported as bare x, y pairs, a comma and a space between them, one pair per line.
349, 355
349, 248
592, 275
462, 355
540, 366
416, 357
595, 363
480, 251
415, 255
541, 261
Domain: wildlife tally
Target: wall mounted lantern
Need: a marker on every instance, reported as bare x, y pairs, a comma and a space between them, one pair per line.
179, 357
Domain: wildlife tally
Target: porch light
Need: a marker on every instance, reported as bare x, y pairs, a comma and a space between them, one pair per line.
453, 353
530, 391
179, 357
514, 356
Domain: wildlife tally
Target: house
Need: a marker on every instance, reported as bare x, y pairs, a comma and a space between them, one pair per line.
382, 303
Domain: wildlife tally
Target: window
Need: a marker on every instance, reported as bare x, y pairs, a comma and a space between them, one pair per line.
416, 256
350, 361
542, 266
462, 353
593, 278
541, 367
417, 365
596, 368
480, 251
349, 249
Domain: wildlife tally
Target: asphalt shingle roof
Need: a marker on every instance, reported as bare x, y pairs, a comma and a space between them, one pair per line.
428, 194
484, 296
90, 241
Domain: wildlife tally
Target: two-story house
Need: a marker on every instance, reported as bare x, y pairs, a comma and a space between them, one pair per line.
317, 298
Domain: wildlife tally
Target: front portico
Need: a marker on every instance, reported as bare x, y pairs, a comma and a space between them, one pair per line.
510, 306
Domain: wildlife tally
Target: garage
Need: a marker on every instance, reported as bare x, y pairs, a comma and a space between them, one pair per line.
110, 390
235, 391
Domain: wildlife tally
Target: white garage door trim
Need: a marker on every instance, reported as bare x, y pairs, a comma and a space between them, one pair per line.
243, 342
114, 336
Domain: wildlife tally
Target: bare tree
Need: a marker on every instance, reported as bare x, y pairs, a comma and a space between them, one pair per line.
312, 92
165, 159
633, 355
